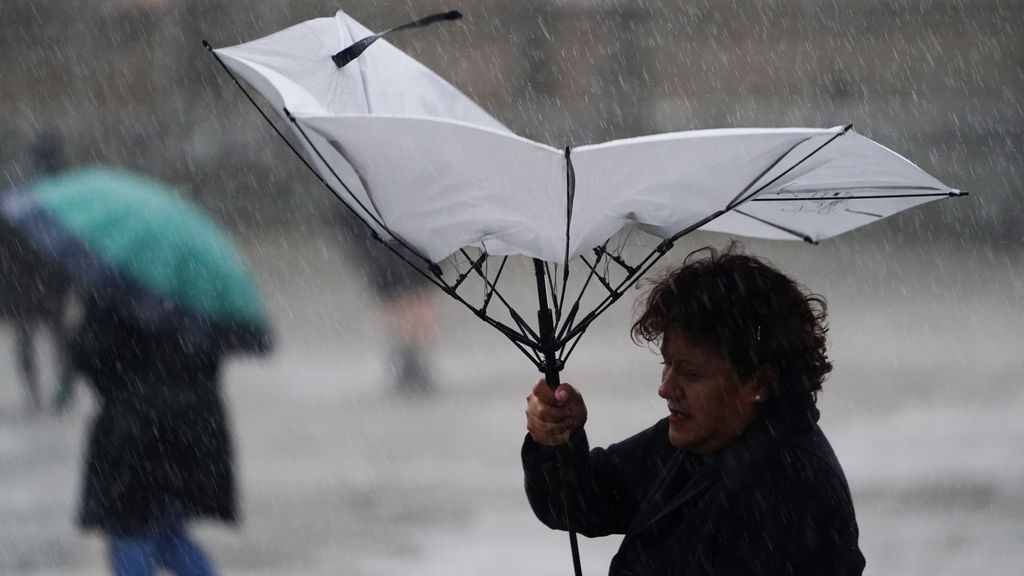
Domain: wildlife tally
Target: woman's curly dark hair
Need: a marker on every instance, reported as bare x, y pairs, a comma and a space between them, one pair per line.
747, 311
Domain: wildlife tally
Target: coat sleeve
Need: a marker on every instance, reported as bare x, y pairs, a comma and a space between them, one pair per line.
608, 484
788, 524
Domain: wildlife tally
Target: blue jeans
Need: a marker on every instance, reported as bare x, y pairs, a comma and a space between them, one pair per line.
165, 544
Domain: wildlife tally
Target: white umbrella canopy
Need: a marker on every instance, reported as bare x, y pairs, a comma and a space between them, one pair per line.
421, 162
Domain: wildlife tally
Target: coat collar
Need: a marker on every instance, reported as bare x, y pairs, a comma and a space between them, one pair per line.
689, 475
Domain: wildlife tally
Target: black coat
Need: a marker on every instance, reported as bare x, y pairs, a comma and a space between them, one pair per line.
775, 502
161, 435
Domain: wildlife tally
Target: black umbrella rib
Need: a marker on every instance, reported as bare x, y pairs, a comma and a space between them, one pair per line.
614, 258
642, 268
740, 199
583, 290
569, 346
489, 290
871, 197
737, 199
527, 331
553, 289
570, 202
594, 273
799, 235
474, 265
863, 213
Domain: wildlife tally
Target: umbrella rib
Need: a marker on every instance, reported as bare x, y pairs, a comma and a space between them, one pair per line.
799, 235
642, 268
474, 266
553, 290
575, 340
570, 201
576, 305
593, 269
869, 197
525, 330
622, 263
489, 292
863, 213
738, 200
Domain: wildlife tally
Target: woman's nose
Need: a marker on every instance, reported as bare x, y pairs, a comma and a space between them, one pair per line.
665, 388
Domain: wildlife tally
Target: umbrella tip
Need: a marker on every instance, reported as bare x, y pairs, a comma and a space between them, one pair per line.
207, 45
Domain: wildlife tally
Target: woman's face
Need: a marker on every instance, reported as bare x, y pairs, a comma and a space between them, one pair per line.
709, 404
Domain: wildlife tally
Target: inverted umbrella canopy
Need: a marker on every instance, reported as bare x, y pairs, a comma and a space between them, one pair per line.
135, 245
423, 163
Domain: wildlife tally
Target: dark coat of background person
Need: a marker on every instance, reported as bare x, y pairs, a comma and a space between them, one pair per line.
775, 502
161, 436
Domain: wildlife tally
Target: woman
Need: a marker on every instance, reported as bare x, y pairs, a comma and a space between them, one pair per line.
159, 449
738, 479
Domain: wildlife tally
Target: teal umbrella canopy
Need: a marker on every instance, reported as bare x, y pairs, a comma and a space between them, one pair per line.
135, 245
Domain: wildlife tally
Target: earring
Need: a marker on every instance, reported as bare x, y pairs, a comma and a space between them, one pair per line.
757, 397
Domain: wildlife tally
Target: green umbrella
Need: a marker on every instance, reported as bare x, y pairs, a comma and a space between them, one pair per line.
135, 245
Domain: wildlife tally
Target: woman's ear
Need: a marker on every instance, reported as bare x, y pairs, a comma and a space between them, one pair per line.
764, 383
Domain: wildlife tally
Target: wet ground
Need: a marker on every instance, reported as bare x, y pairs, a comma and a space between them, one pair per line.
340, 475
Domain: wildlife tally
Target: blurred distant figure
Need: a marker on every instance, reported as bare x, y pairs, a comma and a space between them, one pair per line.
159, 450
34, 295
408, 303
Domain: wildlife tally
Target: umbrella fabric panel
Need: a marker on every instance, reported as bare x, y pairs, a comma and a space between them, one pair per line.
849, 183
668, 182
442, 185
293, 68
811, 221
139, 229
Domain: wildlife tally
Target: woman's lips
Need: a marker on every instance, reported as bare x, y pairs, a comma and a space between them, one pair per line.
677, 416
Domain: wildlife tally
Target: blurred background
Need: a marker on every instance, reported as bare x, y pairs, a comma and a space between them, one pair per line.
340, 475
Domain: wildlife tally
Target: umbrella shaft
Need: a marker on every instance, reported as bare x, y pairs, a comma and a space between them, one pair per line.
546, 323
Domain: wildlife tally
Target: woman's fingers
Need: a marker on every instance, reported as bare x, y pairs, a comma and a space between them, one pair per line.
546, 412
552, 415
547, 433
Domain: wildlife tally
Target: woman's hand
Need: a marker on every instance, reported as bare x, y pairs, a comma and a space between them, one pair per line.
552, 415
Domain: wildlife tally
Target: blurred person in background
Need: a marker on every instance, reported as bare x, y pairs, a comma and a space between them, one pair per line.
739, 478
34, 297
159, 451
408, 303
